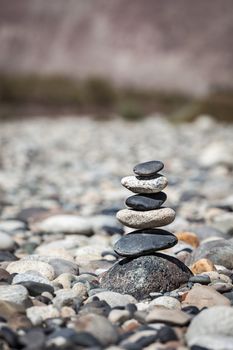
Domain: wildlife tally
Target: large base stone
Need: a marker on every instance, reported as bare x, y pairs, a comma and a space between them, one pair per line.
145, 274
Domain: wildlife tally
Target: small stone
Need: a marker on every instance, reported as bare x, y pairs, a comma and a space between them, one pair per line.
202, 279
32, 276
144, 242
172, 317
166, 334
146, 219
167, 302
22, 266
202, 265
222, 287
35, 288
6, 242
7, 256
189, 238
118, 316
68, 224
98, 326
148, 168
205, 296
212, 328
144, 202
157, 184
67, 311
61, 266
114, 299
37, 314
145, 274
16, 294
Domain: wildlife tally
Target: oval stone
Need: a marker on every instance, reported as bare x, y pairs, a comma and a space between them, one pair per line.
146, 219
145, 274
132, 183
145, 202
144, 242
148, 168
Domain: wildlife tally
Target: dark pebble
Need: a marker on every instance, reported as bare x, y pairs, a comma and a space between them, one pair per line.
146, 274
7, 256
200, 279
111, 230
166, 334
229, 295
36, 288
99, 307
84, 339
148, 168
28, 214
144, 242
198, 347
191, 310
10, 337
4, 275
145, 202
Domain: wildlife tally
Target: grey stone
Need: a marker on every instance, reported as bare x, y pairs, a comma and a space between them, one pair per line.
145, 202
220, 252
145, 274
144, 242
148, 168
22, 266
146, 219
136, 185
33, 276
114, 299
6, 242
216, 323
16, 294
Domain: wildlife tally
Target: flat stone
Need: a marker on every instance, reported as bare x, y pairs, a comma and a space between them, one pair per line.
68, 224
205, 296
157, 184
145, 274
146, 219
214, 325
36, 288
32, 276
22, 266
145, 202
6, 242
148, 168
114, 299
168, 316
167, 302
202, 279
144, 242
16, 294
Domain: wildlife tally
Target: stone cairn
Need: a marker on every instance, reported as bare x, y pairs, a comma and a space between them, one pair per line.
145, 213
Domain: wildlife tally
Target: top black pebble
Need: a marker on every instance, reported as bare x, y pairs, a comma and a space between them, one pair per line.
148, 168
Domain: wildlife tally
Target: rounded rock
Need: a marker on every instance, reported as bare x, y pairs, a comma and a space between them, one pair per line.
145, 202
16, 294
144, 242
6, 242
22, 266
145, 274
146, 219
136, 185
148, 168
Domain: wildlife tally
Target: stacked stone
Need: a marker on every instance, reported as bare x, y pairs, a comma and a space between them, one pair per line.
145, 212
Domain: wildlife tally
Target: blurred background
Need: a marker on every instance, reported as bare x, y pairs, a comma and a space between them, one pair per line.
126, 57
90, 88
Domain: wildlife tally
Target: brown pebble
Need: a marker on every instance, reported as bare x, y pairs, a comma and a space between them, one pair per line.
202, 265
189, 238
205, 296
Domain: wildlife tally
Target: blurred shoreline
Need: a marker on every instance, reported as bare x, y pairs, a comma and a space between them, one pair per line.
29, 95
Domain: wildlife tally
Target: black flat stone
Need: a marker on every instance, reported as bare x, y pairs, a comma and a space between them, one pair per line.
36, 288
143, 242
145, 202
148, 168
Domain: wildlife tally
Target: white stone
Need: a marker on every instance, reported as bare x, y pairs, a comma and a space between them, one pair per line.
37, 314
70, 224
22, 266
166, 301
15, 294
6, 242
114, 299
144, 186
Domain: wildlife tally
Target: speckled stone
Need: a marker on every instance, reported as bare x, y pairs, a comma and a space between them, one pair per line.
145, 274
148, 168
146, 201
144, 242
146, 219
136, 185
